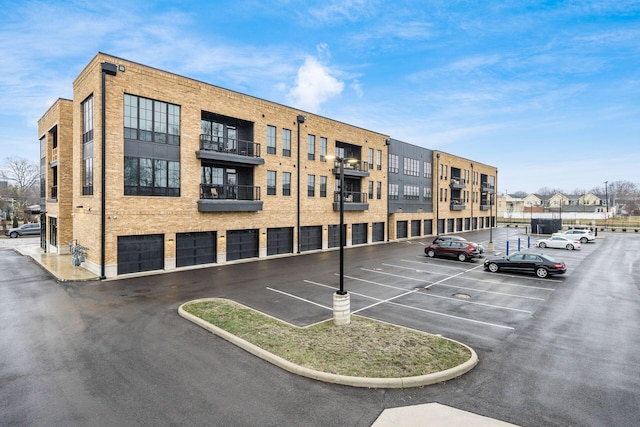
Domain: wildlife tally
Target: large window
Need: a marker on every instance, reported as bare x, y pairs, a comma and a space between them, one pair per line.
323, 149
370, 190
411, 192
311, 185
411, 167
286, 142
311, 147
393, 191
323, 186
271, 183
379, 160
149, 177
427, 169
370, 158
286, 183
87, 147
394, 162
271, 139
378, 190
151, 121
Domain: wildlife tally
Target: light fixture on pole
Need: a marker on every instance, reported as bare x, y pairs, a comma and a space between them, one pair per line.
300, 119
341, 298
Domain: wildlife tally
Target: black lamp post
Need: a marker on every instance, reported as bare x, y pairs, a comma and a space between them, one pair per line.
300, 119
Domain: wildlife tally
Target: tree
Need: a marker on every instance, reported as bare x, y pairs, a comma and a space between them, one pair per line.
23, 174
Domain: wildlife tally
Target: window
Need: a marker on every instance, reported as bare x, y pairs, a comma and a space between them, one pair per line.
271, 183
151, 121
411, 167
323, 186
370, 158
378, 190
286, 142
427, 169
394, 162
370, 190
311, 147
148, 177
311, 185
323, 149
87, 146
393, 191
426, 196
379, 160
286, 183
411, 192
271, 140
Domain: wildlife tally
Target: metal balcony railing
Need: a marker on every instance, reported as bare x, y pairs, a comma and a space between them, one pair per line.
230, 146
229, 192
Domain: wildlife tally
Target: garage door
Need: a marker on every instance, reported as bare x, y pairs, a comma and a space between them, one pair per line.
195, 248
279, 240
242, 244
377, 232
310, 238
140, 253
334, 235
359, 233
401, 229
428, 224
415, 227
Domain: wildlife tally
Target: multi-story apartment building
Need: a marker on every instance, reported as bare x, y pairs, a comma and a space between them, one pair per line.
152, 171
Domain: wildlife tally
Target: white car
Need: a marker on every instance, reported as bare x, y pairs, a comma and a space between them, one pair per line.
584, 236
560, 242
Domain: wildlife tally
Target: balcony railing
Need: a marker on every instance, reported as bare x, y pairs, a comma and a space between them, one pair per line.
457, 183
229, 192
486, 188
457, 205
229, 146
359, 168
353, 201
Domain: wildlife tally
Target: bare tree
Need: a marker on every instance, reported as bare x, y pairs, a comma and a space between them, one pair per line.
23, 174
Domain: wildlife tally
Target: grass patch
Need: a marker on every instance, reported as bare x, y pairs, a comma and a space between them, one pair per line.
364, 348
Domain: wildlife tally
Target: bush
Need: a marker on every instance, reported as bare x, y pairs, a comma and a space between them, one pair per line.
15, 222
624, 229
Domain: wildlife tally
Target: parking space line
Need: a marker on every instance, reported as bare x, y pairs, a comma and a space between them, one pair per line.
440, 282
299, 298
380, 301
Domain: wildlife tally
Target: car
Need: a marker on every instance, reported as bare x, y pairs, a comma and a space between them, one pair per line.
23, 230
439, 239
584, 236
540, 265
460, 249
559, 242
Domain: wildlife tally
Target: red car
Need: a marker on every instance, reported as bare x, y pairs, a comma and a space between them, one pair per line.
462, 250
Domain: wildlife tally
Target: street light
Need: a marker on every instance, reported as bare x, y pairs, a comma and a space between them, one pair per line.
300, 119
341, 298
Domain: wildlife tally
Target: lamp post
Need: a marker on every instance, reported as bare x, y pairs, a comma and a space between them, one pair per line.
472, 179
300, 119
491, 196
341, 298
606, 196
108, 69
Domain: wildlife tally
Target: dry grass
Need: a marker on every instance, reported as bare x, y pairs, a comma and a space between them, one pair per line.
365, 348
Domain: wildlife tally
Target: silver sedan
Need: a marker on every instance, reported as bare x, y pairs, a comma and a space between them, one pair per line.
560, 242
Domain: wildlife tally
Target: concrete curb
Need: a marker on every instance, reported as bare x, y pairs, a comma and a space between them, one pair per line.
416, 381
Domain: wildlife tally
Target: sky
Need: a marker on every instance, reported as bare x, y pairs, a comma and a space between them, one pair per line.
546, 91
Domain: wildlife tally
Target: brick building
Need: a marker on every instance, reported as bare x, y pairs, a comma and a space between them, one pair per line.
192, 174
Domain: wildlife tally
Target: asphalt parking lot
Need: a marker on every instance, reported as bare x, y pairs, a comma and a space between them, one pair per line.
459, 300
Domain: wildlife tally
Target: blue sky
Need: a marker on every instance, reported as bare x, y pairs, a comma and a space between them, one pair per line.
546, 91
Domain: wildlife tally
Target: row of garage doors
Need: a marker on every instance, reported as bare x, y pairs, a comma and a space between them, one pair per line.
146, 252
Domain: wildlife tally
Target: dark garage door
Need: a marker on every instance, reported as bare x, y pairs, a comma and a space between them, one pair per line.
401, 229
359, 234
310, 238
415, 227
377, 232
195, 248
334, 235
242, 244
279, 240
428, 224
140, 253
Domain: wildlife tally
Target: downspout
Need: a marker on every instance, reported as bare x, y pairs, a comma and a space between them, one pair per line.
300, 119
110, 69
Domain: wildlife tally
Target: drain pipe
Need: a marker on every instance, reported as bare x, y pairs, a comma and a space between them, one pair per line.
110, 69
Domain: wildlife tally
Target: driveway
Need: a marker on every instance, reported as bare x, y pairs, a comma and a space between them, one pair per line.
117, 353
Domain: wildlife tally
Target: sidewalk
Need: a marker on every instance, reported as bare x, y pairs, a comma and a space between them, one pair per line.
58, 265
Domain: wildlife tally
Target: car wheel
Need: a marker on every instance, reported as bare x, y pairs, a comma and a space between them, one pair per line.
493, 267
430, 253
542, 245
570, 247
13, 235
462, 257
542, 272
583, 240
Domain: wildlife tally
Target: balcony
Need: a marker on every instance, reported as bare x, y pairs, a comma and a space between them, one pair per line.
229, 198
457, 184
359, 169
457, 205
485, 187
485, 207
229, 150
353, 201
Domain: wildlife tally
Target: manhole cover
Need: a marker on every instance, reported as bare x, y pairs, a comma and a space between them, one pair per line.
462, 296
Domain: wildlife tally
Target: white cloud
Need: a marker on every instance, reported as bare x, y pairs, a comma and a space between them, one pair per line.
315, 84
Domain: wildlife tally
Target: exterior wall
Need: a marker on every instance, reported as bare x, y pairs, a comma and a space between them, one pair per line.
406, 208
138, 215
59, 118
472, 213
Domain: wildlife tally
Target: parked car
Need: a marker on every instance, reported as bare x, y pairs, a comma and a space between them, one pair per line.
559, 242
23, 230
439, 239
584, 236
460, 249
541, 265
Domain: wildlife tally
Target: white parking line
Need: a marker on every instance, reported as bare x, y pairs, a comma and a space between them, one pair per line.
440, 282
390, 301
299, 298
